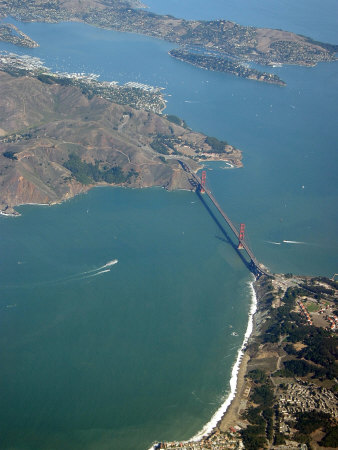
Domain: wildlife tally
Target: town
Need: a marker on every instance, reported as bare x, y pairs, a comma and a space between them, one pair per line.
261, 45
137, 95
220, 64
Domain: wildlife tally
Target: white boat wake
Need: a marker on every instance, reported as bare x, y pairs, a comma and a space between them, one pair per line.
94, 272
274, 243
97, 273
71, 278
108, 264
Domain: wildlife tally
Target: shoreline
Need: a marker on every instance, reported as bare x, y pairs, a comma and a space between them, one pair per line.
247, 73
142, 21
220, 414
266, 382
145, 163
238, 370
12, 212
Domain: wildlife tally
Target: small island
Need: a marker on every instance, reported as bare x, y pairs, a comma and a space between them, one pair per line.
220, 64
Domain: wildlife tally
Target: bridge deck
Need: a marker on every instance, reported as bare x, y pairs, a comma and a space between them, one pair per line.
198, 184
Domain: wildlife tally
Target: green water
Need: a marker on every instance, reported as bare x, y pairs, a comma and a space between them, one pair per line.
142, 352
118, 359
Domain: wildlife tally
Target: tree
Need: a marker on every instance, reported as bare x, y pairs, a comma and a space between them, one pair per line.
10, 155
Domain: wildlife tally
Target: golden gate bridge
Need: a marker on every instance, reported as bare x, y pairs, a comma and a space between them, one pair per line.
200, 185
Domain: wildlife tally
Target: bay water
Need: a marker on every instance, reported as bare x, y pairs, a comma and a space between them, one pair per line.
116, 356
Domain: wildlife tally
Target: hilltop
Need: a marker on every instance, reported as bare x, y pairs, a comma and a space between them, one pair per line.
56, 142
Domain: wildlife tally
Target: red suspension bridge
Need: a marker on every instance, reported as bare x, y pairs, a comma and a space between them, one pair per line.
200, 186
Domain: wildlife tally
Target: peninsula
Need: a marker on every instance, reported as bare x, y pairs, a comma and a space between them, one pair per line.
10, 33
56, 140
261, 45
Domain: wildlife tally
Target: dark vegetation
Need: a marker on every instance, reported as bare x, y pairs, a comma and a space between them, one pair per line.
307, 422
310, 421
263, 395
216, 145
176, 120
257, 375
253, 437
331, 437
282, 320
10, 155
50, 79
318, 357
164, 144
87, 173
260, 416
299, 368
318, 289
331, 283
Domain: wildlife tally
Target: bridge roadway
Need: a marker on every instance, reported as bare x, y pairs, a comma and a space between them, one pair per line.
196, 182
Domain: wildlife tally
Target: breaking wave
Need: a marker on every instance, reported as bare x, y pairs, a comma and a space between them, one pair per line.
234, 373
207, 429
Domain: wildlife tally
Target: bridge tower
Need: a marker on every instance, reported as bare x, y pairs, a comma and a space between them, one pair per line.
203, 179
241, 236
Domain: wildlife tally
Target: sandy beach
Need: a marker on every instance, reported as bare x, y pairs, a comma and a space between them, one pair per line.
227, 416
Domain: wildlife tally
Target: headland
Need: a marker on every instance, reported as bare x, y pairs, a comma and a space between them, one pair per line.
62, 135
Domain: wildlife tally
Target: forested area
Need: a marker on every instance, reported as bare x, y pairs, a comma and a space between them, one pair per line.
87, 173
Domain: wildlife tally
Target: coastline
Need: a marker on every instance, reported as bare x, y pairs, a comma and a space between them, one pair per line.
226, 413
266, 380
34, 176
222, 65
237, 369
208, 34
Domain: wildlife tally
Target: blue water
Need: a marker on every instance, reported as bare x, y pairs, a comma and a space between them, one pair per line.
288, 135
308, 17
144, 352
